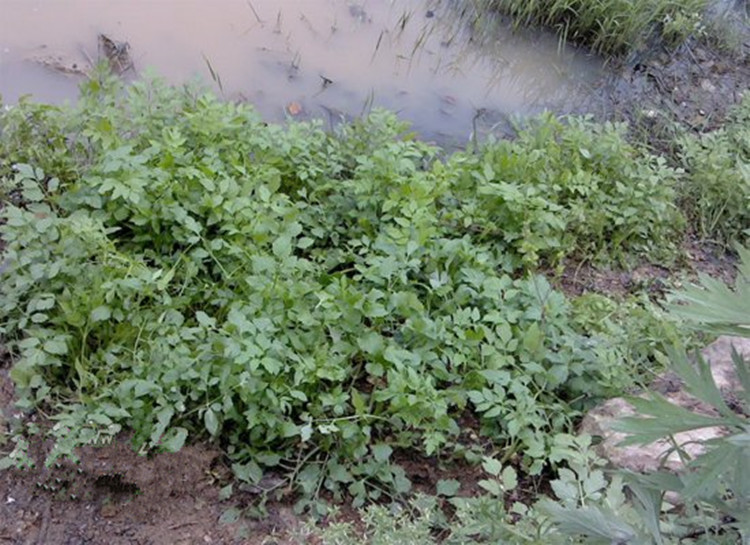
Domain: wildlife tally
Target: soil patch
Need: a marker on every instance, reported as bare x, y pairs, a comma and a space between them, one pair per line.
578, 278
694, 86
115, 496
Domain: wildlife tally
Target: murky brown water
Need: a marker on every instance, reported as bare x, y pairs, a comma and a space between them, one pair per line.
324, 56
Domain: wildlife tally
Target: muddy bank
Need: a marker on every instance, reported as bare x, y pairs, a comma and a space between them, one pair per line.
693, 87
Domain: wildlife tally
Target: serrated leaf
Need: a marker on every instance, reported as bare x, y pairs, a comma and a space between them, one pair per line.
56, 346
249, 472
491, 486
492, 466
282, 247
590, 522
564, 490
371, 343
230, 515
509, 478
226, 492
532, 339
305, 242
211, 421
204, 319
661, 418
339, 473
703, 479
358, 402
101, 313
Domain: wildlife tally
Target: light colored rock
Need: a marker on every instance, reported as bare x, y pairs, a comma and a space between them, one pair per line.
719, 354
640, 458
661, 454
707, 86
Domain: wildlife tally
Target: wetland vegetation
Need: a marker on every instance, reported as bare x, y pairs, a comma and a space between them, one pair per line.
372, 329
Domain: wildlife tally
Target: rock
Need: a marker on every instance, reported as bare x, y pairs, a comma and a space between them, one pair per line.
108, 510
660, 454
719, 354
707, 86
640, 458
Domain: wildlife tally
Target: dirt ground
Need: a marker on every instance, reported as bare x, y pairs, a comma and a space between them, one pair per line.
694, 86
115, 496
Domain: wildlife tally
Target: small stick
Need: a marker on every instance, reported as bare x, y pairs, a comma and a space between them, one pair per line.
257, 17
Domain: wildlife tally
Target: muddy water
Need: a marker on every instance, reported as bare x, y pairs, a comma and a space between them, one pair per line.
439, 68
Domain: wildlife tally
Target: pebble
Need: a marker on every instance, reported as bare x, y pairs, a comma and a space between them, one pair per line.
707, 86
108, 510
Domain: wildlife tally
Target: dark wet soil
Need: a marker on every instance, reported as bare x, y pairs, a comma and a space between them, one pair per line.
578, 278
693, 87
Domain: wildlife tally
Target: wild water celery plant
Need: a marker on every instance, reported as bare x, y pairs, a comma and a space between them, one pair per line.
608, 26
313, 302
566, 188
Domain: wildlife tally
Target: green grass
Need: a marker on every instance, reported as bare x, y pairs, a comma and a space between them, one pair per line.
715, 193
611, 27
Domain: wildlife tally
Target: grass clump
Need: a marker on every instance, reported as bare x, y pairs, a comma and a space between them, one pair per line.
315, 303
611, 27
715, 193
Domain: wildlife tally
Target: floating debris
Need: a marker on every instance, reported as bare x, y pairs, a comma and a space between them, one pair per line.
294, 108
59, 62
117, 53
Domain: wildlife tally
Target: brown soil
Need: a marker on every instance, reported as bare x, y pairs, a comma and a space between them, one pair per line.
578, 278
115, 496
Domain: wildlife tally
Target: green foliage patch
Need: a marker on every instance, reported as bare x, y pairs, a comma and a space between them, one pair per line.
567, 189
609, 26
705, 503
313, 302
716, 191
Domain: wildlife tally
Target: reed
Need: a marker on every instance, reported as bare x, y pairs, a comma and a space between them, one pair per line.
612, 27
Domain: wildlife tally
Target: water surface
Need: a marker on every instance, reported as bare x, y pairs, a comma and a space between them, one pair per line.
442, 70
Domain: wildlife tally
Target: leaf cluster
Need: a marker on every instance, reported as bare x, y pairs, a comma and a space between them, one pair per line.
573, 188
315, 303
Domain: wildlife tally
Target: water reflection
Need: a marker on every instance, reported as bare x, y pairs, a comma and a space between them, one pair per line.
434, 62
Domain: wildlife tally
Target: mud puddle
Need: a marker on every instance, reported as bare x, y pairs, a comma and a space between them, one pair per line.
306, 58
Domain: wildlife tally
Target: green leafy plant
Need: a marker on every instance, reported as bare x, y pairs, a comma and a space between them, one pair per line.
713, 490
644, 332
560, 189
715, 193
310, 301
379, 525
